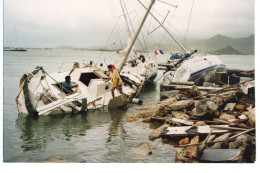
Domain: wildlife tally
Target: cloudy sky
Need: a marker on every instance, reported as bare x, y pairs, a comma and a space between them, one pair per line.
85, 23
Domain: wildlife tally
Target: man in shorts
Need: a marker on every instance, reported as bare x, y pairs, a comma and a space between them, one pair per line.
116, 80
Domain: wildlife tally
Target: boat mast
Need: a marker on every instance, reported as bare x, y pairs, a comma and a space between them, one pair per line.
124, 14
164, 28
136, 35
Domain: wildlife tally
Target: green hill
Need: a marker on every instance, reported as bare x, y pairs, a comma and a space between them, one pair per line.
228, 51
243, 45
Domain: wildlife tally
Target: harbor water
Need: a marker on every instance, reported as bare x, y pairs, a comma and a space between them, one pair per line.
100, 136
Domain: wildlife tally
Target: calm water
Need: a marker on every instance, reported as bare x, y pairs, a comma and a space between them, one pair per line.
94, 136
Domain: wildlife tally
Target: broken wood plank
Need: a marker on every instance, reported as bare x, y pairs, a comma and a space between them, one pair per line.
193, 150
181, 121
157, 132
242, 73
179, 105
228, 128
192, 130
217, 141
163, 102
244, 132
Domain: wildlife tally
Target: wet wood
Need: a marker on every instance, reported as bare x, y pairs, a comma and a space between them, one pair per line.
157, 132
228, 128
185, 122
242, 73
192, 131
164, 103
179, 105
244, 132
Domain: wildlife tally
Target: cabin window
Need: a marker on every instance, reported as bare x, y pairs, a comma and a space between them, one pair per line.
86, 77
60, 88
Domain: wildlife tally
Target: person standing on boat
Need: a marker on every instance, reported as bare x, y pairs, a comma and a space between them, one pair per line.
68, 85
116, 80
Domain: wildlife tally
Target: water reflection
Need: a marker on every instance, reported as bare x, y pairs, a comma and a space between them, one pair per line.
36, 133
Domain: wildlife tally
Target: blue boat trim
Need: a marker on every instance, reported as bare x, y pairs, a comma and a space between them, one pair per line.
205, 69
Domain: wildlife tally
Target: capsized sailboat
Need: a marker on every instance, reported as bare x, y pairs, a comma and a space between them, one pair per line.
195, 67
138, 66
43, 93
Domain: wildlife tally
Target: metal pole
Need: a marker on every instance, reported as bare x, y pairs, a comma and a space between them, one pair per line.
136, 35
164, 28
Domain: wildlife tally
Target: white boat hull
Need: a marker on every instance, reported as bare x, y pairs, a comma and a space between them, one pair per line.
195, 68
92, 92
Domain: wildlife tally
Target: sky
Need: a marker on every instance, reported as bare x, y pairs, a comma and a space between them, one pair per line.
86, 23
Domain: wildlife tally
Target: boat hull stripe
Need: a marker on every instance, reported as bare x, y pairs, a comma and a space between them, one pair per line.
205, 69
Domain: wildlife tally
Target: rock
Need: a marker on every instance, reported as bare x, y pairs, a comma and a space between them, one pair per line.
157, 132
144, 148
180, 115
200, 123
227, 117
56, 160
179, 105
117, 102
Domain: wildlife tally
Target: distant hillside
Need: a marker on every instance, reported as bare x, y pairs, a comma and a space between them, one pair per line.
243, 45
228, 51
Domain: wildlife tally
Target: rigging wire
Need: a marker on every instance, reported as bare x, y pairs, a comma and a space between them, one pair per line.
132, 26
108, 40
188, 25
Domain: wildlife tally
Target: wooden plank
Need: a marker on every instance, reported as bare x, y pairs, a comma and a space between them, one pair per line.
190, 123
101, 74
193, 130
242, 73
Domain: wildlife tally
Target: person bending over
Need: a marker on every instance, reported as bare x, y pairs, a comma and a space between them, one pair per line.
116, 80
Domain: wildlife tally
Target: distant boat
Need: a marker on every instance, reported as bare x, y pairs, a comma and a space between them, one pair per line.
15, 49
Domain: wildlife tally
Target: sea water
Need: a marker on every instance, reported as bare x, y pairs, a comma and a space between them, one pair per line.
100, 136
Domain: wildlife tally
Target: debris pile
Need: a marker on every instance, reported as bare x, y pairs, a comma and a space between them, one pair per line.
217, 126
